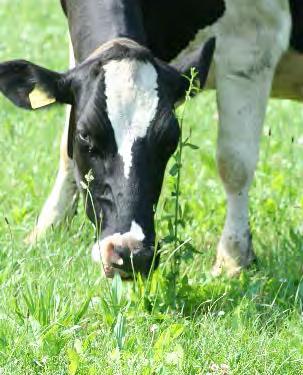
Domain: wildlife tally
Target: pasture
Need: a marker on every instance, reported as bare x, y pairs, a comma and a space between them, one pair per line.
59, 316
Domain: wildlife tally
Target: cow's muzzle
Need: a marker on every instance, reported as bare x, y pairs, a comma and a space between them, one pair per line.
125, 255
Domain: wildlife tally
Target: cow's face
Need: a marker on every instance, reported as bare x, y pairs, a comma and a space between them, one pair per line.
122, 133
125, 131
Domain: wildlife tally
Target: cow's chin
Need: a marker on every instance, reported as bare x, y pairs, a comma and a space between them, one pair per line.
103, 252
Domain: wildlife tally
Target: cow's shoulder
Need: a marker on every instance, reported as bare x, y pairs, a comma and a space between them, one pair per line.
171, 25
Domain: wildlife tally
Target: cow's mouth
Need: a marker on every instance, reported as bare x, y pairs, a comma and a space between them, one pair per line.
120, 254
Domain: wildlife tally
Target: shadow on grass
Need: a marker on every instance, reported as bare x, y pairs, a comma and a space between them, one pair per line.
258, 297
270, 289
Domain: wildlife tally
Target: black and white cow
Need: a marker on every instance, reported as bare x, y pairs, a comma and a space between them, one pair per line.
121, 125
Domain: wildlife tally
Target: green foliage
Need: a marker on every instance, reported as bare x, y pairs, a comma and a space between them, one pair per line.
58, 316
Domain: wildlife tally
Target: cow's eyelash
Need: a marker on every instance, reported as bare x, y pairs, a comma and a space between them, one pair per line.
85, 140
84, 137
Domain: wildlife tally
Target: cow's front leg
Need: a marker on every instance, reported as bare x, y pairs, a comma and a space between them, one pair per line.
62, 201
251, 38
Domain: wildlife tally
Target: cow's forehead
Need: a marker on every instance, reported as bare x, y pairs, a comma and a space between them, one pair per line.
131, 90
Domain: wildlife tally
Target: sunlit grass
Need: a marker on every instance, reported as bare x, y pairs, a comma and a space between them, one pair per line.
57, 315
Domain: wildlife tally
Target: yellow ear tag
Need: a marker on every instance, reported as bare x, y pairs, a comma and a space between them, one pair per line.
39, 98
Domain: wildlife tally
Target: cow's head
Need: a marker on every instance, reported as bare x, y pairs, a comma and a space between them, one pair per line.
122, 129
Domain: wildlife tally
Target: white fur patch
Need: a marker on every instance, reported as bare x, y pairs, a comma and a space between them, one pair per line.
136, 231
132, 100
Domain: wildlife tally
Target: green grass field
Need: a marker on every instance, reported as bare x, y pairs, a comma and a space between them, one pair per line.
59, 316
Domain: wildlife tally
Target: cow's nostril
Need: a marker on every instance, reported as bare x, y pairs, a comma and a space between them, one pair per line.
107, 191
124, 254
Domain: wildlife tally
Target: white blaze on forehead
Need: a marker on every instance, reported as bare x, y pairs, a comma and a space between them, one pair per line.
132, 100
103, 250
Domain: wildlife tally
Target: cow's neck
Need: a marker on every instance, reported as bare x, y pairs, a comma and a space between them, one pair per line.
95, 22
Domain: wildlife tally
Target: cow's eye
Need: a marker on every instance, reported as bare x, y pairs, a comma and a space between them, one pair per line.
84, 138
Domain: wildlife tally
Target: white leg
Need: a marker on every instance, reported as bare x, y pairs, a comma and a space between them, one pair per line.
62, 202
251, 38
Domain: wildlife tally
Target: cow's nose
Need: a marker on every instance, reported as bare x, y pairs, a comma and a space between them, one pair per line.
126, 257
140, 259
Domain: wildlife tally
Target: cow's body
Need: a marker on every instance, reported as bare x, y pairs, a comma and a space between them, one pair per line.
251, 38
170, 27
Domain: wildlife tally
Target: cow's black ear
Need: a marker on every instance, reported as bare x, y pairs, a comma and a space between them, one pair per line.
200, 58
31, 87
176, 84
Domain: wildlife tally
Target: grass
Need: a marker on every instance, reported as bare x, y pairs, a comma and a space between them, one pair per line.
58, 316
